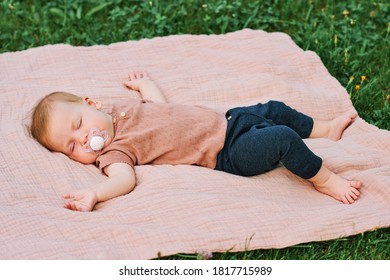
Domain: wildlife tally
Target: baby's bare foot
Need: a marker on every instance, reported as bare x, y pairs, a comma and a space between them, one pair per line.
339, 124
339, 188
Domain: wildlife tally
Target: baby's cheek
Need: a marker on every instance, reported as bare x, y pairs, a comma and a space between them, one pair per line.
85, 158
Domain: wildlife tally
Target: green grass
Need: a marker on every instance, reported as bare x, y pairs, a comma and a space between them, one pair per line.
372, 245
351, 37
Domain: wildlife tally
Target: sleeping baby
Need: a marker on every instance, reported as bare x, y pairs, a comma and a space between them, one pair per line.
246, 141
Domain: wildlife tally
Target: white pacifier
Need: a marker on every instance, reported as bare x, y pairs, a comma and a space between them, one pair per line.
96, 140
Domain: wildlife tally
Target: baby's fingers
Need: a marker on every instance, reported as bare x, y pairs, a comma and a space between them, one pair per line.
71, 206
75, 206
138, 75
68, 196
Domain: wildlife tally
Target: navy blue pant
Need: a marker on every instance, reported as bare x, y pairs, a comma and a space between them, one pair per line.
260, 137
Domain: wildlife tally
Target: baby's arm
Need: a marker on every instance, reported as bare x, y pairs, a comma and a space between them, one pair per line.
140, 81
121, 180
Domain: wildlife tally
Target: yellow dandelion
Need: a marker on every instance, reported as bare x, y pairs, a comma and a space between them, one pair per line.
363, 78
357, 87
350, 80
388, 98
375, 228
345, 13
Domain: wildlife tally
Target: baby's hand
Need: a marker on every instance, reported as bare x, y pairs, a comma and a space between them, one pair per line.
136, 80
140, 82
83, 200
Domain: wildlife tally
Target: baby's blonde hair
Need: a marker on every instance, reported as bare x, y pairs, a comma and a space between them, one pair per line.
41, 114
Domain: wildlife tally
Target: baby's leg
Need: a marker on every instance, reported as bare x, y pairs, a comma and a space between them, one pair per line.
327, 182
261, 149
281, 114
332, 129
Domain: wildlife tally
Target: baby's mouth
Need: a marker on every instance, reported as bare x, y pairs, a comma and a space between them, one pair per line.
96, 140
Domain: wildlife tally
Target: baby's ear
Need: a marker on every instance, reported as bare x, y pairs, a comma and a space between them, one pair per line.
93, 103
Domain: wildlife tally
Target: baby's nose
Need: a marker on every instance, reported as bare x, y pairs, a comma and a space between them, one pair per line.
83, 138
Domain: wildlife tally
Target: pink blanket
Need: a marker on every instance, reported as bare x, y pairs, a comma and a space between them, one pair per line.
181, 209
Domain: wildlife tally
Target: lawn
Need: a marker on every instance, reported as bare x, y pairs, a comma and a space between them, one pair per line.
351, 37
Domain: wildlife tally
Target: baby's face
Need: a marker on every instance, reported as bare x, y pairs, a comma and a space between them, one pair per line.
70, 125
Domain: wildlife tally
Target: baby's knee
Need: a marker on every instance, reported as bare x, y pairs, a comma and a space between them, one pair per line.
286, 133
288, 140
274, 105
